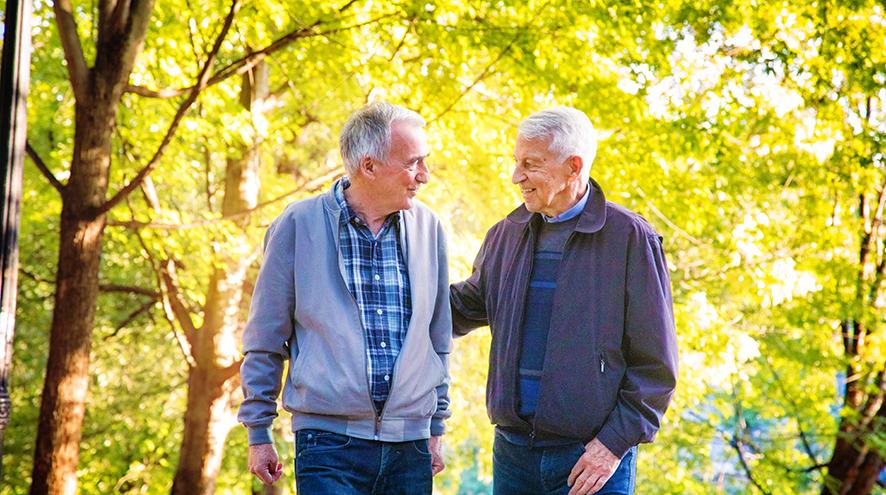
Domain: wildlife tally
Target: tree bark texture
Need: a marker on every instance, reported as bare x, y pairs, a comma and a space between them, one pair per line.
214, 381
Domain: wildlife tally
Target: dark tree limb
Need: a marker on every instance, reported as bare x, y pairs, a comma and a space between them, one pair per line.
804, 440
130, 289
41, 165
308, 186
488, 71
183, 108
144, 308
76, 62
247, 62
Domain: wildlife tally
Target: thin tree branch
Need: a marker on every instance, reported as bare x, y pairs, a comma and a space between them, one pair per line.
229, 371
129, 319
183, 108
872, 240
488, 71
75, 61
249, 61
172, 295
736, 443
309, 186
130, 289
182, 341
807, 446
36, 278
41, 165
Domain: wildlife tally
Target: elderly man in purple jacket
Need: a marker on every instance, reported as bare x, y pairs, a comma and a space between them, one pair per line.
576, 291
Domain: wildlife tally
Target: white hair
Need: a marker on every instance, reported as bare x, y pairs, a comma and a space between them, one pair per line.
368, 133
569, 130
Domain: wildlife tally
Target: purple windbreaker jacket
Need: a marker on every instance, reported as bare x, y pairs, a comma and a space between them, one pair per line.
610, 365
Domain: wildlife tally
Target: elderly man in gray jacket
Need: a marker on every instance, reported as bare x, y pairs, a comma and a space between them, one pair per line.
353, 291
576, 291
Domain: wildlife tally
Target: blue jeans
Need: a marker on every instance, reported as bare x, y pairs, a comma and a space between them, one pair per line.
518, 470
331, 463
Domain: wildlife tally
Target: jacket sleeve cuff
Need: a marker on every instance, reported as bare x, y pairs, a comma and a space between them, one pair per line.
613, 441
259, 435
437, 427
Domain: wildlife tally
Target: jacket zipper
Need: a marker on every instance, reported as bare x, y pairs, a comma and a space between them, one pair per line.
520, 340
562, 257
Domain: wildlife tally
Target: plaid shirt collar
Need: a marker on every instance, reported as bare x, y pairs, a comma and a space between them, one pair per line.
348, 214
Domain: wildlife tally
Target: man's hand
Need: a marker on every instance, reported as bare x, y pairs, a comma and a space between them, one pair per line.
263, 463
435, 445
593, 469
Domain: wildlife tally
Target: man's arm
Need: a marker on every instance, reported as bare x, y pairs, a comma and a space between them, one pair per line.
468, 300
651, 350
651, 374
441, 339
265, 346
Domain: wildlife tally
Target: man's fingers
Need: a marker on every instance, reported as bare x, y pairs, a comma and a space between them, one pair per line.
586, 486
263, 474
601, 481
579, 483
437, 467
576, 470
278, 473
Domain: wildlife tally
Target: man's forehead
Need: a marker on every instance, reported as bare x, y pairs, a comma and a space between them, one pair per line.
532, 148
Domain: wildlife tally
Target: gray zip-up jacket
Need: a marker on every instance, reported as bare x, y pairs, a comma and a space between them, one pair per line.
302, 311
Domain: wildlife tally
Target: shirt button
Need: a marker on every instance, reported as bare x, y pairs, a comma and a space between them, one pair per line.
377, 277
383, 345
387, 378
379, 311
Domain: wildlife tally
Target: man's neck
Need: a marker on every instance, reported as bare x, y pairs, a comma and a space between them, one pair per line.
577, 193
358, 199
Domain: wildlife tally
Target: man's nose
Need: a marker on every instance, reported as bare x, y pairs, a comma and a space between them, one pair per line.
424, 173
518, 176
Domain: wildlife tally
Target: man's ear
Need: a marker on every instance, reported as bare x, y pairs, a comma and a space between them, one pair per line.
367, 166
575, 165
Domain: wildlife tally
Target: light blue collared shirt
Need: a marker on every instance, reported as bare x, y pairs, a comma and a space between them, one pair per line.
571, 212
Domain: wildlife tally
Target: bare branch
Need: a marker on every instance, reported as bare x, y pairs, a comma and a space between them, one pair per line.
172, 299
736, 443
183, 108
804, 440
184, 344
247, 62
871, 240
309, 186
144, 308
75, 61
488, 71
32, 153
229, 371
130, 289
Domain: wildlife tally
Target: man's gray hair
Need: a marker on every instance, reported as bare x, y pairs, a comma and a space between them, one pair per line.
368, 133
570, 132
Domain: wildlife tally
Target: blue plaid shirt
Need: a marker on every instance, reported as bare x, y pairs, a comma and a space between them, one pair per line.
379, 281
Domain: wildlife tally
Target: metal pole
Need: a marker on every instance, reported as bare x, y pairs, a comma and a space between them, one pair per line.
14, 79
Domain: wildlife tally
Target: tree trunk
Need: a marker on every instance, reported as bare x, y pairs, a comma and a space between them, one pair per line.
64, 390
854, 466
853, 471
208, 420
214, 380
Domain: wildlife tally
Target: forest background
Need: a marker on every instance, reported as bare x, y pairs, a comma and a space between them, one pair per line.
165, 135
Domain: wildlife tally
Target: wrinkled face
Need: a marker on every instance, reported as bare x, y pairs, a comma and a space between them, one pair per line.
397, 181
543, 178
